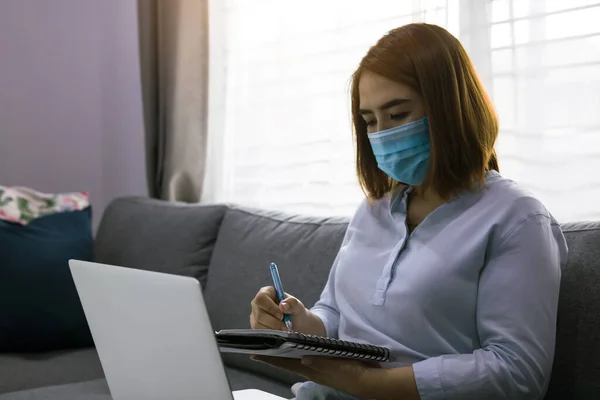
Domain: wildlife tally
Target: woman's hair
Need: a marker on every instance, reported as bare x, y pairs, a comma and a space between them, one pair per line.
462, 122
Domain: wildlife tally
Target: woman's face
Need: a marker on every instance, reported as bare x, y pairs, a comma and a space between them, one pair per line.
385, 104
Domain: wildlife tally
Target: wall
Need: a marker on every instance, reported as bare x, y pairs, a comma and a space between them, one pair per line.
70, 103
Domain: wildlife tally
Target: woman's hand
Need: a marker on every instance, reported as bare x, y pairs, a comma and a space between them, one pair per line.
342, 374
266, 314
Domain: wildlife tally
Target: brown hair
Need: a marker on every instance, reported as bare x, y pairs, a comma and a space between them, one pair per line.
462, 122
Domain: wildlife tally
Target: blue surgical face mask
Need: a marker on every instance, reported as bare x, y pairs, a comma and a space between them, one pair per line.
402, 152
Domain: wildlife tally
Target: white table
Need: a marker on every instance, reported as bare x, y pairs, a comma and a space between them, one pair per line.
253, 394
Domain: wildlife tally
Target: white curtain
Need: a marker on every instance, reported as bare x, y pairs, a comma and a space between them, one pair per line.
279, 121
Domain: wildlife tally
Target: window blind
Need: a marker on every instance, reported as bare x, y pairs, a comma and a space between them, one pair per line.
280, 116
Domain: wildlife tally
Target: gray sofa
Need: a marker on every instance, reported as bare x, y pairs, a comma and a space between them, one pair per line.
230, 247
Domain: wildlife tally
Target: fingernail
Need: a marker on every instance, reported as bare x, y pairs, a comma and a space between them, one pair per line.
306, 361
286, 307
279, 316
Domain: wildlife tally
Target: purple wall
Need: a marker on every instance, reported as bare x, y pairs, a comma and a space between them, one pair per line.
70, 105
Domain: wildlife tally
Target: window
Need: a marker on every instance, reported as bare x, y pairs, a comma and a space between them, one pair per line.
280, 71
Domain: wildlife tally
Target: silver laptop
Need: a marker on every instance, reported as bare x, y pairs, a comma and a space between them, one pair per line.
153, 335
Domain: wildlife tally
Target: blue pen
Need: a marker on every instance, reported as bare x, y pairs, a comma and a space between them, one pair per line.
280, 293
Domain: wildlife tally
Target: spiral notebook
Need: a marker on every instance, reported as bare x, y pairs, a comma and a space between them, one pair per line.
294, 345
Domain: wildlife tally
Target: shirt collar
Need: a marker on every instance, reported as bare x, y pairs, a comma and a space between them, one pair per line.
398, 198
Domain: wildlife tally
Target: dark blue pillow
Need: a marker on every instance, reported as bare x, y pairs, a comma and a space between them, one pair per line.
39, 306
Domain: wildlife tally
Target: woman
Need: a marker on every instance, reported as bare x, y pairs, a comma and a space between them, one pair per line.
453, 267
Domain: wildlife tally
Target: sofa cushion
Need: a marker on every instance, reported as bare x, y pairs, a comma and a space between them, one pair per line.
89, 390
97, 389
39, 306
28, 371
159, 236
576, 362
249, 240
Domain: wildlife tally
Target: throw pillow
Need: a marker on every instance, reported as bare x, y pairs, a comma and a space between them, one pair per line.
39, 306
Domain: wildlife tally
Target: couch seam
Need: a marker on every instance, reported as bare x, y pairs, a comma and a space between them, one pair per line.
247, 212
581, 230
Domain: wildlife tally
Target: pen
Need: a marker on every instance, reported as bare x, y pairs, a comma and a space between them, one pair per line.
287, 319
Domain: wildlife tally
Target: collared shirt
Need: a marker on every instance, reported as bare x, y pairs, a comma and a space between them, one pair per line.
469, 298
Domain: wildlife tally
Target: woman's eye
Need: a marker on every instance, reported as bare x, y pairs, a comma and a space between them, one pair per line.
398, 116
370, 123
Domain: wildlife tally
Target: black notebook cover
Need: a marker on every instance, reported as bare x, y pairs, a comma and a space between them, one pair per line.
294, 345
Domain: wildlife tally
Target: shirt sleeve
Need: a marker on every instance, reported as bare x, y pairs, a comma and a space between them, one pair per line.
516, 319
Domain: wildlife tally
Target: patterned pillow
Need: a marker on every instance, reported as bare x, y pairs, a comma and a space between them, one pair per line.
22, 205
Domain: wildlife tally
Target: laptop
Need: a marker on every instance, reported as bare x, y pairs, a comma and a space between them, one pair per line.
153, 335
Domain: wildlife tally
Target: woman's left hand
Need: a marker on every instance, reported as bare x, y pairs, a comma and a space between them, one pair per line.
342, 374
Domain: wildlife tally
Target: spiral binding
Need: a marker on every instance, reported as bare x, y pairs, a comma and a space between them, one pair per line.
338, 347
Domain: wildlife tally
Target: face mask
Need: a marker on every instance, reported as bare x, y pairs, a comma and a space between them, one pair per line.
403, 152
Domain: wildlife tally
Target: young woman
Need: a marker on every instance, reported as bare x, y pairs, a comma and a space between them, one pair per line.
453, 267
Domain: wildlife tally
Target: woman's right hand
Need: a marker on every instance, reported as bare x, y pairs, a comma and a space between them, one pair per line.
267, 314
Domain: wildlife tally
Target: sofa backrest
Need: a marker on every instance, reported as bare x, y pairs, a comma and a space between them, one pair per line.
249, 240
159, 236
576, 371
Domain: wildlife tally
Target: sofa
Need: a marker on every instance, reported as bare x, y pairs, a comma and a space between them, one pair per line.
229, 247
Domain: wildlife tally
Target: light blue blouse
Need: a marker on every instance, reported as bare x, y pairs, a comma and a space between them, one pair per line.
469, 298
